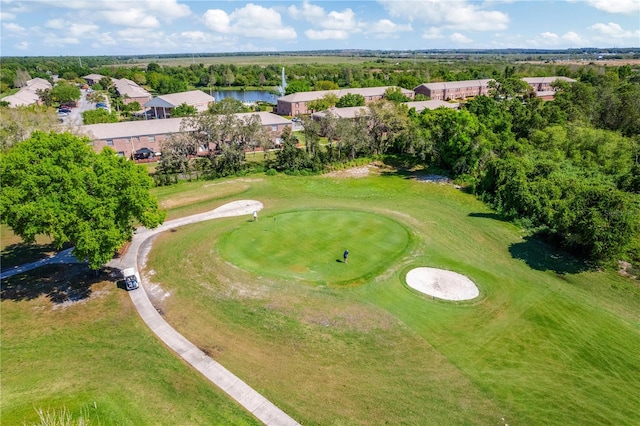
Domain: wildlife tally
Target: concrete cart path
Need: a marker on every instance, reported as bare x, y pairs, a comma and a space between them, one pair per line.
63, 256
135, 256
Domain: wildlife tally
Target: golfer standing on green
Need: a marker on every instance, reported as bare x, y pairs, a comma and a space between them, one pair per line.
345, 255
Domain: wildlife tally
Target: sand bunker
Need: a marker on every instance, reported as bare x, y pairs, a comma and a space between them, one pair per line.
442, 284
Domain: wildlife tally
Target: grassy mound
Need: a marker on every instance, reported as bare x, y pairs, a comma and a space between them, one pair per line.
308, 245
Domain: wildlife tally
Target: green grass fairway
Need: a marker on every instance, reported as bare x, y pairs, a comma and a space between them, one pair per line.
548, 342
308, 245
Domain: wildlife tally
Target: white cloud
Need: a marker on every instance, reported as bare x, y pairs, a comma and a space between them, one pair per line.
453, 15
56, 24
548, 39
459, 38
82, 29
551, 38
627, 7
23, 45
13, 29
194, 35
105, 39
614, 31
574, 38
310, 12
169, 9
131, 17
60, 41
251, 21
385, 26
327, 34
344, 20
217, 20
432, 33
6, 16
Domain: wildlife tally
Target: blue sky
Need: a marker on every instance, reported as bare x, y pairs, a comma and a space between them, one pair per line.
113, 27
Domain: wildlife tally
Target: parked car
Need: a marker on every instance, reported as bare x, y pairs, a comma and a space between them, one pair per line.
101, 105
131, 278
64, 110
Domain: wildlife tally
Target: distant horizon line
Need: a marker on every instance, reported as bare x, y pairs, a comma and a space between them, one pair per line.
602, 50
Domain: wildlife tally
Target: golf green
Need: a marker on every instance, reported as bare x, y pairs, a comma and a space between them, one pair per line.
309, 245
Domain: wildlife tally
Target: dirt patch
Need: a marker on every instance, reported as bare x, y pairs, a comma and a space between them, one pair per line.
355, 172
442, 284
626, 269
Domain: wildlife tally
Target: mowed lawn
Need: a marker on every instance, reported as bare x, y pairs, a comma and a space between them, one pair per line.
308, 245
94, 359
547, 342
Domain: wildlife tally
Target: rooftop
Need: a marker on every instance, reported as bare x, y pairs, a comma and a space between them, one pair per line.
173, 100
129, 88
319, 94
127, 129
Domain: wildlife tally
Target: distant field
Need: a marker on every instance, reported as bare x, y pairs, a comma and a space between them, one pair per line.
250, 60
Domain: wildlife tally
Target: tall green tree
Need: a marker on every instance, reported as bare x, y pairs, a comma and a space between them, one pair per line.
54, 184
65, 93
184, 110
350, 100
95, 116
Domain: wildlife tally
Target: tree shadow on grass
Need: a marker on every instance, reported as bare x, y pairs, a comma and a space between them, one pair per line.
59, 283
538, 254
543, 257
22, 253
491, 215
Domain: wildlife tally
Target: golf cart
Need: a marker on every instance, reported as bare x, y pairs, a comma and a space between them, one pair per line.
131, 278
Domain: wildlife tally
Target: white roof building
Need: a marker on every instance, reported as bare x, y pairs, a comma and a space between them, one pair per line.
28, 94
162, 105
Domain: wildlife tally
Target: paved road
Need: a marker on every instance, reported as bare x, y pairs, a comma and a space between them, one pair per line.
135, 256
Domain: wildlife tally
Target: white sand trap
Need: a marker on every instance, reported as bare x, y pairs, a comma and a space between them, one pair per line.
442, 284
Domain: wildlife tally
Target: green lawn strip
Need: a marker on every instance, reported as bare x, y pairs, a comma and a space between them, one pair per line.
96, 358
534, 348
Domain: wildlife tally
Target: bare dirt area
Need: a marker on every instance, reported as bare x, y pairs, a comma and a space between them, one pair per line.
355, 172
442, 284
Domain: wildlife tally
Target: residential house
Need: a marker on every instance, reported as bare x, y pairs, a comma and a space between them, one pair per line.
446, 90
28, 95
353, 112
297, 103
92, 79
127, 137
543, 85
130, 91
164, 104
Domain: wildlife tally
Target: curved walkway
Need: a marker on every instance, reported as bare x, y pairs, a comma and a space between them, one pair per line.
246, 396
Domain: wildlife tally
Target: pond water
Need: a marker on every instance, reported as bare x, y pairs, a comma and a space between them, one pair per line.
247, 95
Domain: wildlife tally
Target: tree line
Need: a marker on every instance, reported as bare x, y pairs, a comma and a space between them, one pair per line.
163, 79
